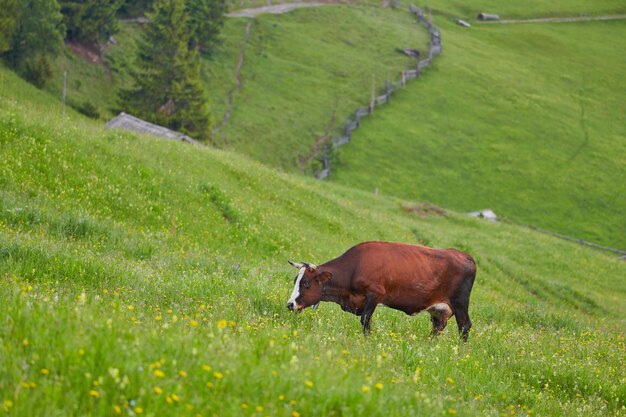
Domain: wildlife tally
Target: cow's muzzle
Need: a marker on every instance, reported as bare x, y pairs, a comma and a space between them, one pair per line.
294, 307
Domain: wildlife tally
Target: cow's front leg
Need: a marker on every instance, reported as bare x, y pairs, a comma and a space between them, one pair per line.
371, 301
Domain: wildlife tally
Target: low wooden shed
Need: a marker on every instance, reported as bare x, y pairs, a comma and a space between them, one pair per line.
488, 16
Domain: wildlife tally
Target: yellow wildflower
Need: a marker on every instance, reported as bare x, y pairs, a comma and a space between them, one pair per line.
175, 397
450, 380
244, 406
8, 404
259, 408
222, 324
138, 410
169, 400
416, 375
308, 383
117, 409
158, 390
206, 368
218, 375
365, 388
182, 373
158, 318
281, 397
209, 384
295, 414
45, 371
25, 342
94, 393
194, 323
159, 373
378, 386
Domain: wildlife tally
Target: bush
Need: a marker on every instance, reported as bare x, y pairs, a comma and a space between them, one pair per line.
36, 70
87, 108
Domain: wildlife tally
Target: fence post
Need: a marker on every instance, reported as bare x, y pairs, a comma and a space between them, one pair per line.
64, 90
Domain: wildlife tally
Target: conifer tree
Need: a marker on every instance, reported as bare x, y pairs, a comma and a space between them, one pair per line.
167, 86
37, 34
90, 20
206, 19
8, 20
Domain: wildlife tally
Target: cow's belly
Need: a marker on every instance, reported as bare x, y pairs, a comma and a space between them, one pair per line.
410, 302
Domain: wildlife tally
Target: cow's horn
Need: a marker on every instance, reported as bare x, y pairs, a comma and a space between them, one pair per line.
295, 264
312, 267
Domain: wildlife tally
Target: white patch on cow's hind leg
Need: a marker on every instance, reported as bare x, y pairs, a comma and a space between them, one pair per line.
440, 310
296, 288
439, 315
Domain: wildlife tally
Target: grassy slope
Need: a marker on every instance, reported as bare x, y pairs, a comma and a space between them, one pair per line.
530, 8
97, 84
122, 255
299, 69
303, 67
524, 119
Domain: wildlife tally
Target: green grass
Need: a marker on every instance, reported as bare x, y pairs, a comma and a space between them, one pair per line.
529, 9
95, 85
121, 256
524, 119
303, 69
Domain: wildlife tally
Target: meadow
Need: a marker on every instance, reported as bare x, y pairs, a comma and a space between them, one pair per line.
144, 277
524, 119
304, 72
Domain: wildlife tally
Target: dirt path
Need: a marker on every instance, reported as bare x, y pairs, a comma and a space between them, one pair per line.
276, 9
238, 82
554, 19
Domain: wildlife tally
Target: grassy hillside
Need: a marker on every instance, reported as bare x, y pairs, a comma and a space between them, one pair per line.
94, 79
143, 277
530, 8
301, 70
304, 72
524, 119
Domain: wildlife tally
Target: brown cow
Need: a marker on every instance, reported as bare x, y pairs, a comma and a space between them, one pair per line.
404, 277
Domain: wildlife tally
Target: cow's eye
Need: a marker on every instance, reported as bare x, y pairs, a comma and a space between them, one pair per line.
306, 283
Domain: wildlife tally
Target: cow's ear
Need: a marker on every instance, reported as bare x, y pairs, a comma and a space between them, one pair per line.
324, 276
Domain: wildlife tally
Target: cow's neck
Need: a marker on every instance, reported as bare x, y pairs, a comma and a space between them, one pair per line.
337, 295
337, 289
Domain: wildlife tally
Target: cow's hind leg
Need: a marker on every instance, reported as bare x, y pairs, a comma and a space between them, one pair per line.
460, 304
439, 315
368, 310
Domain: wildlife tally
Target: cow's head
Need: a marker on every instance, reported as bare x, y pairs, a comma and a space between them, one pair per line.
307, 286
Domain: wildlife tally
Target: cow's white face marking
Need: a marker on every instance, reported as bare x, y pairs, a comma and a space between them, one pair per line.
296, 288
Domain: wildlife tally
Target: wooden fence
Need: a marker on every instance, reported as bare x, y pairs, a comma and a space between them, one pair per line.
390, 88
